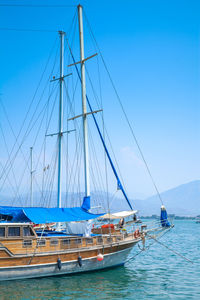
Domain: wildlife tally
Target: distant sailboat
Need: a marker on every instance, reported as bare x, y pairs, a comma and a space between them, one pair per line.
29, 250
198, 219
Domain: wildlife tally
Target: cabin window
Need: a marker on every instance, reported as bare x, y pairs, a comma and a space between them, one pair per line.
109, 240
2, 231
99, 240
118, 238
78, 241
66, 242
13, 231
27, 243
89, 240
27, 231
54, 242
41, 242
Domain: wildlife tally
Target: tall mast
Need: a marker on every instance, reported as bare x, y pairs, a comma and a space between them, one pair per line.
84, 107
60, 132
31, 187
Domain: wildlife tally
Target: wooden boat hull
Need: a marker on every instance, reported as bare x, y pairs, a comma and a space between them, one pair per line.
112, 259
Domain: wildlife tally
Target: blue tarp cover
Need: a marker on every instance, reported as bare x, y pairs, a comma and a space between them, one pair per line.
41, 215
86, 203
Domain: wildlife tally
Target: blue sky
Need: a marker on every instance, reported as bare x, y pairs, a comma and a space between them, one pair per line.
152, 52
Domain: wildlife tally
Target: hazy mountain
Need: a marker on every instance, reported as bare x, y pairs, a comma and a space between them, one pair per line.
183, 200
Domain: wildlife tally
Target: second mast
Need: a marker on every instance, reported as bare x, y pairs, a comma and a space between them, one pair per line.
84, 107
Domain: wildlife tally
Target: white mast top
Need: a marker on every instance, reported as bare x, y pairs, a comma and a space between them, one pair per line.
60, 123
84, 106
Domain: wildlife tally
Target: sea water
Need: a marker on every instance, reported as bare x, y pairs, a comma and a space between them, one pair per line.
154, 274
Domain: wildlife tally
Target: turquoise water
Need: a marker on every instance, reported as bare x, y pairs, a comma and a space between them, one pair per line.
155, 274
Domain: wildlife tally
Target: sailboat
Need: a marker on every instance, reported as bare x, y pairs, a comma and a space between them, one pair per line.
27, 251
198, 219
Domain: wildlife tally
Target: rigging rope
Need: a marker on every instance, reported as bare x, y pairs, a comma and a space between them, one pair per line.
105, 132
76, 162
101, 137
11, 162
29, 108
148, 247
175, 252
124, 112
27, 30
36, 5
13, 174
12, 156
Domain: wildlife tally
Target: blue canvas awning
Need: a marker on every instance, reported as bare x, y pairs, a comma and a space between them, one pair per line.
41, 215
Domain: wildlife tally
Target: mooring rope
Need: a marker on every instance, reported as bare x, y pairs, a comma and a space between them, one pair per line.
175, 252
155, 240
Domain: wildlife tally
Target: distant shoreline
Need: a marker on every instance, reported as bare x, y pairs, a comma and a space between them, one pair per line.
169, 216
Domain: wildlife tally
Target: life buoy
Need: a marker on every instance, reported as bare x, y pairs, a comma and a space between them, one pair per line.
136, 233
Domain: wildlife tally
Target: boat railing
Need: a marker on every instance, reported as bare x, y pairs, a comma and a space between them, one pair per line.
41, 244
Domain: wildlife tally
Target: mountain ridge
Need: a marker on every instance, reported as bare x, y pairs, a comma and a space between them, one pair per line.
182, 200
